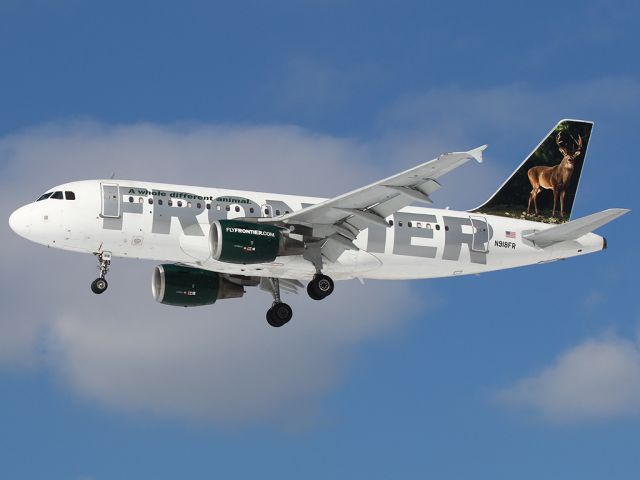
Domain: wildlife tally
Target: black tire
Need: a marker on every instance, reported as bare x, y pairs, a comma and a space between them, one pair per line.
279, 314
320, 287
99, 285
312, 292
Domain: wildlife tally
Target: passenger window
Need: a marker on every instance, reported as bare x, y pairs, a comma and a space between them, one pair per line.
251, 209
399, 224
217, 207
179, 203
159, 202
391, 223
170, 203
44, 197
57, 195
199, 206
277, 213
140, 200
409, 224
189, 205
266, 211
437, 227
428, 226
227, 208
237, 208
150, 201
208, 206
286, 212
446, 227
130, 199
419, 225
69, 195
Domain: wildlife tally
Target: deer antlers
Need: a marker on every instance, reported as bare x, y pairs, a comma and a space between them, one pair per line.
561, 142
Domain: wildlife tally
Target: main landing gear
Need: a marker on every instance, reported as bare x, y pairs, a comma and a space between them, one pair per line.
99, 285
280, 313
320, 287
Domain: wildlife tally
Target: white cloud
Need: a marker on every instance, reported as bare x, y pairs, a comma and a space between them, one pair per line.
513, 108
597, 379
223, 363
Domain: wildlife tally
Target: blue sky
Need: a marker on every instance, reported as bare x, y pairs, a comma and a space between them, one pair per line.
530, 373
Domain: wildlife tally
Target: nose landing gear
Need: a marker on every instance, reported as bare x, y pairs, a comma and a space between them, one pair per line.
99, 285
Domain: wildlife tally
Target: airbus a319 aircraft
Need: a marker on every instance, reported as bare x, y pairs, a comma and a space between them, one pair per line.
215, 242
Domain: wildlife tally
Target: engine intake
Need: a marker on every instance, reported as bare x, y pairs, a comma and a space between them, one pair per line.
191, 287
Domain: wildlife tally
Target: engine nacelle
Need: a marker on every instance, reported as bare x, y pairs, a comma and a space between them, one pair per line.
235, 241
191, 287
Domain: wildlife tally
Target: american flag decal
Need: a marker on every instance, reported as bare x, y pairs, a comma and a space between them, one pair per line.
510, 234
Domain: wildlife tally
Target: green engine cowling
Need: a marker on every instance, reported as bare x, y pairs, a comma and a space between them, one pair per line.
191, 287
235, 241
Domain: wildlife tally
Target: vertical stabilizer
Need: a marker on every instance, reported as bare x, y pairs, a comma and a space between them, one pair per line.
544, 186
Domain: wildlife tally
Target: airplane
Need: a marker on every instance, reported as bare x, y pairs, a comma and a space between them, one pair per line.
213, 243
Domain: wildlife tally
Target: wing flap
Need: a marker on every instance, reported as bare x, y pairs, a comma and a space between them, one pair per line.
288, 285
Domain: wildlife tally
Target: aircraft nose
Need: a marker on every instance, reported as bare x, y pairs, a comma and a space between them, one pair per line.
20, 221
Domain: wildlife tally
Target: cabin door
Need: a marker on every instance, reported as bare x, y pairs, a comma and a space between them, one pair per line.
110, 200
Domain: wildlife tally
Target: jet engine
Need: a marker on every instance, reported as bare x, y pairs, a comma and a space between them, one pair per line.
191, 287
235, 241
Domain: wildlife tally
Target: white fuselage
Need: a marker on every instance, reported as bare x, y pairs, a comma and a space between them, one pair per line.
171, 223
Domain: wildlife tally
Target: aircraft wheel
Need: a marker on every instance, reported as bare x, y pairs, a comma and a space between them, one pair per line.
312, 292
99, 285
279, 314
320, 287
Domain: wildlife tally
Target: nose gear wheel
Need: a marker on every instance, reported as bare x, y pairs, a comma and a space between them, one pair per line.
100, 285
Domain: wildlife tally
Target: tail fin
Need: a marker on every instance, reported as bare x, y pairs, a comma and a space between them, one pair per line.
544, 186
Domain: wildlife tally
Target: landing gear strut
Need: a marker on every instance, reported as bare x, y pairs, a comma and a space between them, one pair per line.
99, 285
321, 286
280, 313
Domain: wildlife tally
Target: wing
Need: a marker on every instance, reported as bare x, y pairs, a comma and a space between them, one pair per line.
336, 222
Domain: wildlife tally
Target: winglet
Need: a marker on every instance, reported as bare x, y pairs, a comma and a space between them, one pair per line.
476, 153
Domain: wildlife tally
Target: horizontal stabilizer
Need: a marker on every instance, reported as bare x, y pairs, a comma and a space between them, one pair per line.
575, 228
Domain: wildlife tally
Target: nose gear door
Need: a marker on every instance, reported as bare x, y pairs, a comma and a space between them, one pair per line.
110, 200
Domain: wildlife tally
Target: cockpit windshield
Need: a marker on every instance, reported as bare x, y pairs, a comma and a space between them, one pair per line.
58, 196
45, 196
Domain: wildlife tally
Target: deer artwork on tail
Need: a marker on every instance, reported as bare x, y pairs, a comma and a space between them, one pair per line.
555, 178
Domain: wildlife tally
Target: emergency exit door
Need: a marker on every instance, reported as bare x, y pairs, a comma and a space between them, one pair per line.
480, 229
